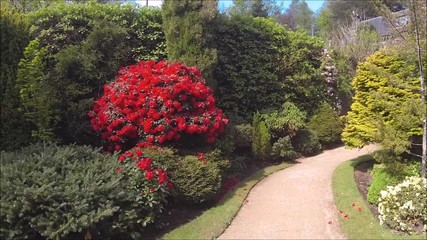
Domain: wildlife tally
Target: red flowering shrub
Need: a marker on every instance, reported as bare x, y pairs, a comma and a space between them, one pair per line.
147, 176
152, 103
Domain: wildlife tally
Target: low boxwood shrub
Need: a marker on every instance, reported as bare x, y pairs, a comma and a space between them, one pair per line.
306, 142
327, 125
196, 180
283, 150
75, 192
243, 135
403, 207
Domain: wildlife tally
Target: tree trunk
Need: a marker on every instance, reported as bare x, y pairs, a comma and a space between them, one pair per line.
423, 91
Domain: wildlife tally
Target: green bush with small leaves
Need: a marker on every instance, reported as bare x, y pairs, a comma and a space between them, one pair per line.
283, 150
389, 174
196, 180
327, 125
261, 144
306, 142
243, 135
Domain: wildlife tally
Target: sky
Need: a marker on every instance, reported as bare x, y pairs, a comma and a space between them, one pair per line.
314, 5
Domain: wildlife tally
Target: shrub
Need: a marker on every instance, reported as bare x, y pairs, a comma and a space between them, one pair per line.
261, 145
306, 142
388, 174
151, 103
285, 122
283, 150
217, 157
243, 135
85, 45
196, 180
70, 192
403, 207
326, 124
14, 131
226, 142
247, 69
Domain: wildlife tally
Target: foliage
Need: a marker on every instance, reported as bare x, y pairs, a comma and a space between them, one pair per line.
243, 135
255, 8
306, 142
14, 37
196, 180
326, 125
261, 144
217, 157
226, 141
249, 59
83, 47
74, 192
285, 122
297, 16
36, 97
283, 150
188, 29
399, 210
381, 178
300, 76
386, 106
152, 103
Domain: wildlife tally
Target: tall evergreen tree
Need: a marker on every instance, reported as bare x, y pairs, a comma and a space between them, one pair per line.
188, 28
298, 15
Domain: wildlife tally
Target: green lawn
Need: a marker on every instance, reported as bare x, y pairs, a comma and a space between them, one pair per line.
214, 221
359, 225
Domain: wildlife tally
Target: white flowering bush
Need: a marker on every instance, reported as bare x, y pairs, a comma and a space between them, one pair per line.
403, 207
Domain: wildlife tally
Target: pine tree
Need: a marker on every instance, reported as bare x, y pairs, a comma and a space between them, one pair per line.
188, 28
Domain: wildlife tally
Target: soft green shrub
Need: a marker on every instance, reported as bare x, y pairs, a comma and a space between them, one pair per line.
389, 174
283, 150
243, 135
217, 157
226, 141
14, 36
285, 122
196, 180
165, 155
326, 124
306, 142
69, 192
261, 145
403, 207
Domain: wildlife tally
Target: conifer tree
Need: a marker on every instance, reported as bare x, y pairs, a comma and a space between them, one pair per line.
188, 28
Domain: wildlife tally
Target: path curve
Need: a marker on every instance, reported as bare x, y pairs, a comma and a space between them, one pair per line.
295, 203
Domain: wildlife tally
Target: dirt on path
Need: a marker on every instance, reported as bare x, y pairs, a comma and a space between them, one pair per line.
295, 203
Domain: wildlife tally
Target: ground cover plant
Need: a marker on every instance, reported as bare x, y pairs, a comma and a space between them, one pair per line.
358, 224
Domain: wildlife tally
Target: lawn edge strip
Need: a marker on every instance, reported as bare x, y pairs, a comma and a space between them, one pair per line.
363, 224
213, 222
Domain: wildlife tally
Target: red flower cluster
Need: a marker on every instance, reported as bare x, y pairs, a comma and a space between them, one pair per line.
151, 103
152, 173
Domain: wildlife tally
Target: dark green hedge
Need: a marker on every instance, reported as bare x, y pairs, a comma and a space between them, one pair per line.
83, 47
14, 37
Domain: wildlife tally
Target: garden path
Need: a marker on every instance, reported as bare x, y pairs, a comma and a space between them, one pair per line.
295, 203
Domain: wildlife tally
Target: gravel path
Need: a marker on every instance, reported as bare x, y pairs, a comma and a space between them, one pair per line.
295, 203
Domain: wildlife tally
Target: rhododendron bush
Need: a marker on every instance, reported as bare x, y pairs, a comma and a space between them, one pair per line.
152, 103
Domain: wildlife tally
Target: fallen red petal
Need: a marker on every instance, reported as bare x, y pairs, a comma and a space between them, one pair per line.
359, 209
354, 204
330, 222
346, 216
341, 211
